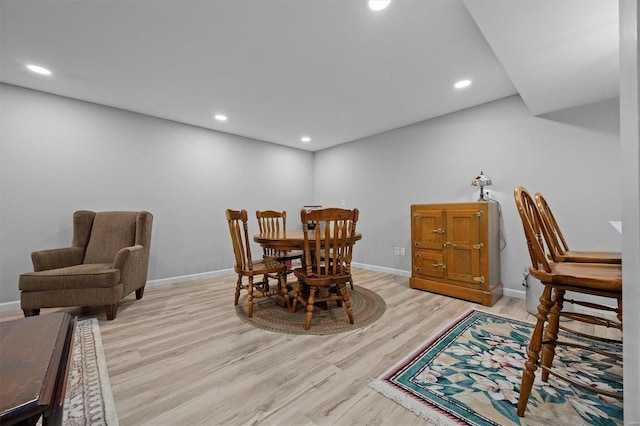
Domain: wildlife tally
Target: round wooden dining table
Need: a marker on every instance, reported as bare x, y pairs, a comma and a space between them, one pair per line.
288, 240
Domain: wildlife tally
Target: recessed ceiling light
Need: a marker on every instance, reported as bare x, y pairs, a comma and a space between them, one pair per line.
462, 84
305, 139
38, 69
220, 117
378, 5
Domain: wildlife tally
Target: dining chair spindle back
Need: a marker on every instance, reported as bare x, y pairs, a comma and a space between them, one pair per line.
558, 247
327, 259
245, 266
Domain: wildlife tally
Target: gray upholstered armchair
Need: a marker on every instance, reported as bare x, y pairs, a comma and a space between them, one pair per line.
108, 259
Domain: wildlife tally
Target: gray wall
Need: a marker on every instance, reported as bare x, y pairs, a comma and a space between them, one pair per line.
59, 155
630, 165
572, 157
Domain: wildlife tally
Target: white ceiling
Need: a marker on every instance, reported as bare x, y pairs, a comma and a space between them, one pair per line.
329, 69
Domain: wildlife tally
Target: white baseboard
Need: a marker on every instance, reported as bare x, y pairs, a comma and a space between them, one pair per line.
183, 278
517, 294
8, 306
382, 269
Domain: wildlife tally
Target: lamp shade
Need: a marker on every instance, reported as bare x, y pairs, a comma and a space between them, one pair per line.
481, 180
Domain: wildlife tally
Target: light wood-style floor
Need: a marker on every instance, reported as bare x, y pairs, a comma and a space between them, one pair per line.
181, 356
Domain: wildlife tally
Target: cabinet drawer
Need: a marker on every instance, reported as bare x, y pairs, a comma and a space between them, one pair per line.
428, 263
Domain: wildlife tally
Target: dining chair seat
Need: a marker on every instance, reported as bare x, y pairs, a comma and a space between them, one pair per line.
599, 277
285, 256
613, 257
328, 259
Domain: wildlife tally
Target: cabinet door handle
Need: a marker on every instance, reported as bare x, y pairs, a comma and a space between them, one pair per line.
440, 231
439, 265
449, 244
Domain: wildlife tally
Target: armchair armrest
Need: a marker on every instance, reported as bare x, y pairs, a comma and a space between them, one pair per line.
123, 255
130, 261
44, 260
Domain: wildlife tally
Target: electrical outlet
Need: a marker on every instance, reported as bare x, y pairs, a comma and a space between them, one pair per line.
487, 194
402, 251
396, 251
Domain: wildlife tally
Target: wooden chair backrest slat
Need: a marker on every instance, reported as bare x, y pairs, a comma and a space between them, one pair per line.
271, 221
239, 231
534, 230
557, 244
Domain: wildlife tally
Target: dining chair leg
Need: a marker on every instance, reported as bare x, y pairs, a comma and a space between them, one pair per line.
620, 309
347, 302
533, 350
310, 302
250, 297
238, 287
551, 333
283, 289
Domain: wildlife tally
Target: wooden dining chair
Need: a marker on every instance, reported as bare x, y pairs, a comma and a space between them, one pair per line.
276, 221
246, 267
598, 279
558, 247
327, 260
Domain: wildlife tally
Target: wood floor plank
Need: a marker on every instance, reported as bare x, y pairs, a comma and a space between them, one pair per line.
181, 356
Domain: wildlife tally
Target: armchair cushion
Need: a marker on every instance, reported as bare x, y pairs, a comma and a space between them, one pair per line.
97, 275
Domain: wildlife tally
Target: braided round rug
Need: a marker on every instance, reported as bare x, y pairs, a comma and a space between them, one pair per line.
367, 307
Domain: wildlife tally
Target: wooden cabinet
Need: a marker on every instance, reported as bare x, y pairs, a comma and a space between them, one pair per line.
455, 250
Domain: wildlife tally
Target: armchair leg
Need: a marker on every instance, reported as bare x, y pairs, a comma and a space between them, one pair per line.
139, 293
31, 312
111, 311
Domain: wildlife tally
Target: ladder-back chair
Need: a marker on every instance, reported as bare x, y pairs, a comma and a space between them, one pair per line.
246, 267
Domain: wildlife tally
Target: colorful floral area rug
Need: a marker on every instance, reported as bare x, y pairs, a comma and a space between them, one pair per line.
470, 373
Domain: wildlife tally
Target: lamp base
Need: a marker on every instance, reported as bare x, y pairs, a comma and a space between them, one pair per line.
482, 198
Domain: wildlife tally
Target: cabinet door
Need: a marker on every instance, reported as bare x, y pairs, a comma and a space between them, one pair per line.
428, 263
427, 231
462, 246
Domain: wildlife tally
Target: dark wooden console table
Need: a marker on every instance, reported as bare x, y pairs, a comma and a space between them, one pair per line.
34, 361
